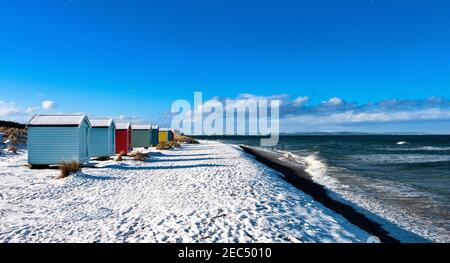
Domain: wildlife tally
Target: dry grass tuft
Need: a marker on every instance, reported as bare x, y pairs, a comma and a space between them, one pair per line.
120, 156
12, 149
163, 146
174, 144
14, 136
67, 169
185, 139
139, 156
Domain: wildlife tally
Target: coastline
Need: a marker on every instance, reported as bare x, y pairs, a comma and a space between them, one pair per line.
296, 174
210, 192
400, 187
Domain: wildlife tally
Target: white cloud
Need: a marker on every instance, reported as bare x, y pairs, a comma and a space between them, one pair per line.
336, 112
124, 118
282, 97
366, 117
300, 100
335, 101
48, 104
8, 109
11, 112
31, 109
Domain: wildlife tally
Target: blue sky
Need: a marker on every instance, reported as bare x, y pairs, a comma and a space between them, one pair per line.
134, 58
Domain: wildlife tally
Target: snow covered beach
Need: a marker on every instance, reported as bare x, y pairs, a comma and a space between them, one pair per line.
210, 192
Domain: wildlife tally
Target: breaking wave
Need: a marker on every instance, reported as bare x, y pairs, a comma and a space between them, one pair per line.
374, 194
420, 148
400, 158
316, 167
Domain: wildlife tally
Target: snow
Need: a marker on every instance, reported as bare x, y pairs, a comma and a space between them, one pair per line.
141, 127
56, 120
101, 122
122, 125
210, 192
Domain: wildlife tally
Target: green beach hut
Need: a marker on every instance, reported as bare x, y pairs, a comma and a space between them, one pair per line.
140, 135
102, 137
53, 139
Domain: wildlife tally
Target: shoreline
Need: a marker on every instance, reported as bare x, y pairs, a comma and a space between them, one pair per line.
298, 177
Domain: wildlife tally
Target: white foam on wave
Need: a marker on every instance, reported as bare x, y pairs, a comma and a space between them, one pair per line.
347, 187
400, 158
421, 148
314, 166
402, 143
433, 148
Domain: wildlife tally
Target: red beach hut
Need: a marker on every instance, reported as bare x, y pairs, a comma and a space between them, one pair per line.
123, 137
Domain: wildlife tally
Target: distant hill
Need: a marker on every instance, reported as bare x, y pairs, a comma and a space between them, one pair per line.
354, 133
343, 133
12, 124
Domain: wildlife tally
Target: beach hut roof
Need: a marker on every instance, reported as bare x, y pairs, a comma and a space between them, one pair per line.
102, 123
154, 126
164, 129
122, 125
58, 120
141, 127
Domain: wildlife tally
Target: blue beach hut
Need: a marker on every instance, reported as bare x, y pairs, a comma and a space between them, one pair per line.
102, 137
154, 135
56, 138
170, 135
2, 135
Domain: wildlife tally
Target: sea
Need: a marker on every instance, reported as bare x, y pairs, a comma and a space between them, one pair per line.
400, 179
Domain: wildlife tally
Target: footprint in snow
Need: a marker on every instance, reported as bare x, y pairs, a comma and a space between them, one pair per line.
126, 210
191, 213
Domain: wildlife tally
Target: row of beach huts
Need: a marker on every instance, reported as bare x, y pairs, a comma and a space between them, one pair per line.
53, 139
